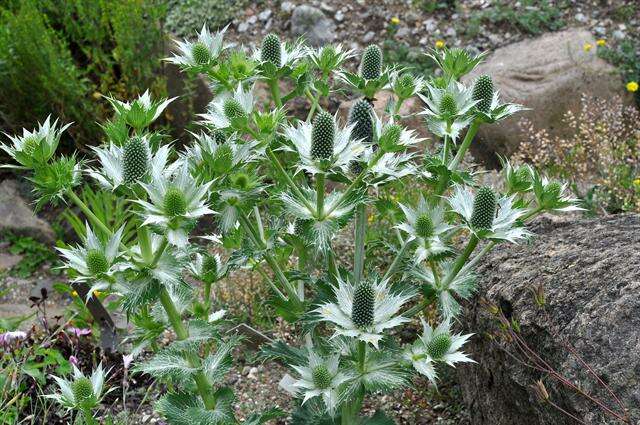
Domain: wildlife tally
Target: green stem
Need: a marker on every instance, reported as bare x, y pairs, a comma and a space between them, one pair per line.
270, 282
446, 149
256, 212
468, 138
90, 215
461, 260
320, 196
332, 266
88, 417
314, 105
158, 253
275, 92
362, 355
436, 275
280, 169
144, 240
397, 261
207, 296
227, 85
202, 383
397, 106
360, 234
291, 291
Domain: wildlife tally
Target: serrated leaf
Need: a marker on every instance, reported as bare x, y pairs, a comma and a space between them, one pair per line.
218, 364
167, 364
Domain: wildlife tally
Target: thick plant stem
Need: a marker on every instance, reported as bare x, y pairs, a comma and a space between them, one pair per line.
275, 92
289, 288
360, 234
202, 383
397, 261
90, 215
461, 260
88, 417
320, 196
362, 355
443, 184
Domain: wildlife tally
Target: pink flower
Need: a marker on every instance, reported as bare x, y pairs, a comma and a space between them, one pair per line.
127, 359
74, 361
8, 339
78, 332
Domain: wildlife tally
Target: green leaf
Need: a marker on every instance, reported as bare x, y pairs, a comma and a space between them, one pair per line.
264, 417
379, 418
167, 364
218, 364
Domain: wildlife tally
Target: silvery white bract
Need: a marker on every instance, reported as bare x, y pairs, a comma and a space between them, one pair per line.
462, 286
504, 227
66, 396
499, 111
142, 111
168, 269
216, 116
320, 377
95, 261
552, 195
37, 146
195, 267
418, 84
207, 149
328, 58
387, 304
193, 195
111, 172
444, 124
214, 44
290, 54
345, 150
420, 353
432, 245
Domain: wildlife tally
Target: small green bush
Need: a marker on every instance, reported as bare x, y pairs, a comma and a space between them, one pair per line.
60, 57
184, 17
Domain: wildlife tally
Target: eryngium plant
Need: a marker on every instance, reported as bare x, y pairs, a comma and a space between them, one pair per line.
263, 174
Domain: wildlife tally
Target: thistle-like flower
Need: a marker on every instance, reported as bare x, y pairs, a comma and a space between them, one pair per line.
81, 393
95, 261
448, 110
487, 216
321, 377
436, 345
361, 118
271, 50
364, 311
124, 166
176, 201
323, 146
53, 181
517, 179
141, 112
455, 62
488, 107
329, 58
281, 56
446, 293
35, 147
426, 225
208, 268
230, 109
199, 54
552, 195
406, 85
371, 63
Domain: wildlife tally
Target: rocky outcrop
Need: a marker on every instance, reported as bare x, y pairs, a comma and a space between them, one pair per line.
547, 74
591, 277
17, 216
309, 22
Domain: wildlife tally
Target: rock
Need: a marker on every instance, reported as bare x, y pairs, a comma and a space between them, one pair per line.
580, 18
591, 279
368, 37
339, 16
311, 23
243, 27
403, 32
287, 6
547, 74
17, 216
265, 15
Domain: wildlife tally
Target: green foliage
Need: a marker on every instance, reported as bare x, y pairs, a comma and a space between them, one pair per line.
528, 16
33, 253
59, 57
626, 57
185, 17
407, 56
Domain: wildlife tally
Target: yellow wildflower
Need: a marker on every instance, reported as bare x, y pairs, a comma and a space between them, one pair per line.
395, 20
601, 42
632, 86
97, 293
74, 294
637, 181
439, 44
587, 47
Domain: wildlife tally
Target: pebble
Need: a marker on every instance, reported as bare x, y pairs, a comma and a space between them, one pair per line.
243, 27
430, 25
339, 16
368, 37
287, 6
265, 15
580, 17
618, 35
451, 32
253, 373
403, 32
252, 20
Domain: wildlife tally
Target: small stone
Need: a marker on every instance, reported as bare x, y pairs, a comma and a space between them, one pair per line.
580, 17
311, 23
618, 35
326, 7
243, 27
403, 32
430, 25
368, 37
423, 41
253, 373
287, 7
339, 16
252, 20
600, 30
451, 32
265, 15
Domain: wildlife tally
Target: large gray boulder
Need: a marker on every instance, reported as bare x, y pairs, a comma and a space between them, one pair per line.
17, 216
591, 276
547, 74
310, 23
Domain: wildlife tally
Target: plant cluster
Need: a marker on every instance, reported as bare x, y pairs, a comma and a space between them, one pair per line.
78, 51
600, 158
280, 189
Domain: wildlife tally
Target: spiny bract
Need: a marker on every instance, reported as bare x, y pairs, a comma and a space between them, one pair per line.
439, 346
484, 209
209, 267
364, 298
321, 377
371, 65
322, 136
135, 160
448, 105
271, 50
361, 116
96, 262
233, 109
483, 92
175, 203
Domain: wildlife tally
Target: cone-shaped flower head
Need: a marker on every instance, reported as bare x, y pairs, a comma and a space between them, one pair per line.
424, 226
271, 50
371, 64
201, 52
83, 392
208, 268
439, 346
484, 208
321, 377
361, 117
364, 301
229, 109
448, 106
483, 93
97, 261
323, 135
233, 109
427, 225
135, 160
142, 111
175, 203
